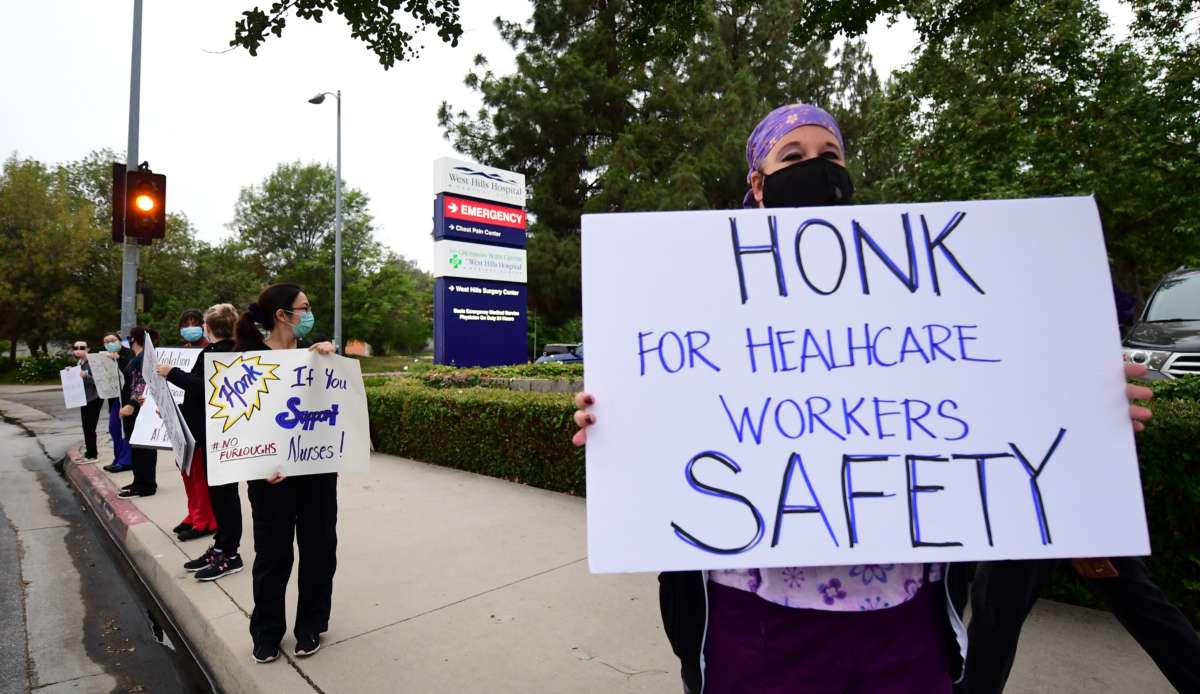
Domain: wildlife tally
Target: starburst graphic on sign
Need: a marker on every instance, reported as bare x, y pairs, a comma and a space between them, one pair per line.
237, 388
455, 261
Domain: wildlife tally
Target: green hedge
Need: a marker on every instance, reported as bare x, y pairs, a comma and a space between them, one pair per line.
525, 437
1169, 451
43, 368
521, 437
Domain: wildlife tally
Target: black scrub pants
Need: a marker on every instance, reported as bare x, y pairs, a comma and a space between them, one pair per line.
227, 509
143, 460
1004, 592
89, 415
305, 508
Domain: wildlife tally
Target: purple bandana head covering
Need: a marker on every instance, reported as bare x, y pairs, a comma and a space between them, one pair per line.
771, 130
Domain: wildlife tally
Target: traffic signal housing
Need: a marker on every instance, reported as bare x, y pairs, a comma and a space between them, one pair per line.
118, 203
145, 205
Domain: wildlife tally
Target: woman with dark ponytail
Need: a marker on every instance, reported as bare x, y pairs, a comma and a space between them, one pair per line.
286, 509
220, 504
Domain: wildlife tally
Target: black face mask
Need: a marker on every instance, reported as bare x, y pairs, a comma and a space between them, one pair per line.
810, 183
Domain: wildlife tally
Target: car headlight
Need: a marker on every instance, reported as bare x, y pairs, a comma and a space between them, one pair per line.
1151, 359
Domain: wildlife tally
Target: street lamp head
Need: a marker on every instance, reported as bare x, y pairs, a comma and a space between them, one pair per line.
319, 98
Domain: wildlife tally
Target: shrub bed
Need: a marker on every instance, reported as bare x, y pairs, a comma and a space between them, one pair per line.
1169, 451
521, 437
43, 368
525, 437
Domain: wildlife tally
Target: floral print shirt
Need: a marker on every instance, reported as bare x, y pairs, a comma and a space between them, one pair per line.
137, 387
832, 588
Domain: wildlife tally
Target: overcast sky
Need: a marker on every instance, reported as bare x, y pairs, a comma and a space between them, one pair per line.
216, 122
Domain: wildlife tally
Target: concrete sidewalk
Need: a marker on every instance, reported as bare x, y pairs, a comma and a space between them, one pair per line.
454, 582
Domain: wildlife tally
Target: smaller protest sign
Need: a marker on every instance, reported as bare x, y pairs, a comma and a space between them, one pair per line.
72, 383
290, 411
182, 442
149, 430
106, 375
180, 357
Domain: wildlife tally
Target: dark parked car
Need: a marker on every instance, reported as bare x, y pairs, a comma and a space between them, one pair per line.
1166, 337
561, 354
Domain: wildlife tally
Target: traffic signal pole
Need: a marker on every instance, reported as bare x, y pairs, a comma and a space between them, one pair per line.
129, 268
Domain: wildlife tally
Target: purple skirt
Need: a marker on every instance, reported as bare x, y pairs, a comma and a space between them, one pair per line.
754, 646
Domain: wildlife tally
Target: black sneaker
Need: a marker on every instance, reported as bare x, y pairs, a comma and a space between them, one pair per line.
193, 534
128, 486
221, 566
203, 561
114, 468
265, 654
307, 644
181, 527
130, 492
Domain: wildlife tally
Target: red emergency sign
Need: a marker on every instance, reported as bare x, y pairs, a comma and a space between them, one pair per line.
485, 212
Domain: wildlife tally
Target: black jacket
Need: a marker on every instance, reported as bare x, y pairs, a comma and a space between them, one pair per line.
128, 364
192, 383
683, 600
124, 356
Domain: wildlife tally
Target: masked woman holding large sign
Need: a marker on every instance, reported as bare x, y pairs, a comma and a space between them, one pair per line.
828, 629
301, 509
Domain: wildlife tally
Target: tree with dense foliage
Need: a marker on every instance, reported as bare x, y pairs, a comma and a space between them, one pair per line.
596, 127
1039, 99
60, 274
371, 21
45, 238
287, 223
650, 27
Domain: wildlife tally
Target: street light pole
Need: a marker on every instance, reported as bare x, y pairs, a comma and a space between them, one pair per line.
129, 265
337, 239
337, 233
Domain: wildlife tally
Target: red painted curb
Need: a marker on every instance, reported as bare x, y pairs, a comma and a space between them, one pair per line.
116, 513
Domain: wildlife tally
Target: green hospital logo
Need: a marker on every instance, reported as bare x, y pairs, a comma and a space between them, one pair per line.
455, 261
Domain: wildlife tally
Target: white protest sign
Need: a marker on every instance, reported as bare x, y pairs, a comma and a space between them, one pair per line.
74, 394
293, 411
181, 357
106, 375
149, 430
182, 442
854, 385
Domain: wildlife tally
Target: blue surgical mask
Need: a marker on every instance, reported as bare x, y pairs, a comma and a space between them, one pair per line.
112, 346
305, 326
192, 333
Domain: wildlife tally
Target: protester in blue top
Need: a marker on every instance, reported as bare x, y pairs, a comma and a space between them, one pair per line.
797, 629
122, 461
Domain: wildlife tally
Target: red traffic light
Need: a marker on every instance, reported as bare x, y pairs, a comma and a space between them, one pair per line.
145, 205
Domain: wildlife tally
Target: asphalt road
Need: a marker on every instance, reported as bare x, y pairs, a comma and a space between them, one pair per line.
73, 617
